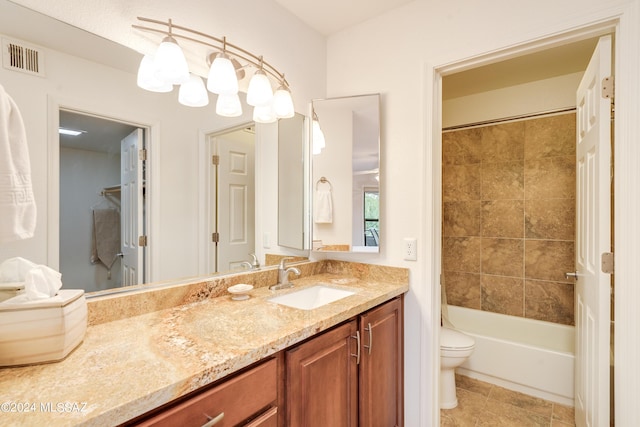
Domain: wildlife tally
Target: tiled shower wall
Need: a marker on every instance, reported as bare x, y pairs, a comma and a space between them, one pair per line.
509, 217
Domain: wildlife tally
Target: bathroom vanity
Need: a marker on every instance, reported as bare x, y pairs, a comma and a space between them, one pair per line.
247, 359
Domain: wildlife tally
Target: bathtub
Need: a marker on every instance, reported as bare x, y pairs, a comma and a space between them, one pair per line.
525, 355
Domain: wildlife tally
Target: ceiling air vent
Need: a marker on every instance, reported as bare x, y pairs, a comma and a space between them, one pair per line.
19, 56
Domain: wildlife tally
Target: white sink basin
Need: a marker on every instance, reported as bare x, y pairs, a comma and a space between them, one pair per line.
313, 297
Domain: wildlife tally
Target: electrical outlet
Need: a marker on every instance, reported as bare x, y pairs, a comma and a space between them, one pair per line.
410, 249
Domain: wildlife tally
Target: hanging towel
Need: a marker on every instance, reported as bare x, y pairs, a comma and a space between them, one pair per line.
17, 205
106, 236
323, 207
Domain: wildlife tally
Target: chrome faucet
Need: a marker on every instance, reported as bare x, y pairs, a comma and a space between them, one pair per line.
253, 265
283, 275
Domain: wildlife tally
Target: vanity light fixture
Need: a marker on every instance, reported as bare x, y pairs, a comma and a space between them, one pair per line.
317, 135
227, 66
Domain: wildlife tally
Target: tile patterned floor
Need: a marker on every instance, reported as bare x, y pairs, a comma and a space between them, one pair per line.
482, 404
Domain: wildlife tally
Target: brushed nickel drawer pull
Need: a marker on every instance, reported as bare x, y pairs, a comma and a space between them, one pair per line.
213, 421
357, 355
368, 328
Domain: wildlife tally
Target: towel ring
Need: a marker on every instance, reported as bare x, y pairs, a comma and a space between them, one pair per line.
324, 180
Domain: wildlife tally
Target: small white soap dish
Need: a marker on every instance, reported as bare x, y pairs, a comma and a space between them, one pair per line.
240, 291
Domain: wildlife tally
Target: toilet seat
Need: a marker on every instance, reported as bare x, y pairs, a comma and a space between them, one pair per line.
452, 340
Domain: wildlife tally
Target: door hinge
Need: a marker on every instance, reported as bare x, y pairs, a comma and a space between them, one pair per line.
142, 241
607, 87
607, 263
215, 237
142, 154
215, 159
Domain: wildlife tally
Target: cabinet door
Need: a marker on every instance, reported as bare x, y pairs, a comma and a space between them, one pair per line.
381, 366
322, 382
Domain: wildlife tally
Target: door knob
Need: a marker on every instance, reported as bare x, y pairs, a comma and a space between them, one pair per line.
573, 274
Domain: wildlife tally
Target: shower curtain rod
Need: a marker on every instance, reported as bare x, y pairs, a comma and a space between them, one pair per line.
511, 118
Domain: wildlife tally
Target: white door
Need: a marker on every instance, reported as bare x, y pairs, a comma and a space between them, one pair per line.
235, 198
593, 238
131, 208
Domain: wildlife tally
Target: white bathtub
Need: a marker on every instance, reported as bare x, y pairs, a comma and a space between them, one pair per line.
529, 356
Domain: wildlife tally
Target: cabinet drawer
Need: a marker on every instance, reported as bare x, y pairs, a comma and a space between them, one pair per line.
238, 398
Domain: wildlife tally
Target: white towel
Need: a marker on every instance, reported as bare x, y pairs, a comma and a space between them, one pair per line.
17, 205
323, 207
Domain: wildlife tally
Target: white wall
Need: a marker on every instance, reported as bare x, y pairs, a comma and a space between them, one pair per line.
395, 54
534, 97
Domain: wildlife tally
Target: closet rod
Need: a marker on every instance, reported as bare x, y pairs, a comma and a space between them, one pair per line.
512, 118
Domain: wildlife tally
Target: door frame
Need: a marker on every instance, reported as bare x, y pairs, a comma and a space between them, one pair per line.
623, 23
151, 140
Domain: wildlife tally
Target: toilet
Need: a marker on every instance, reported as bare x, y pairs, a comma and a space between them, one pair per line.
455, 348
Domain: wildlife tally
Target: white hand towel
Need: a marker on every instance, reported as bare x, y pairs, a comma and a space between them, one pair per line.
17, 205
323, 207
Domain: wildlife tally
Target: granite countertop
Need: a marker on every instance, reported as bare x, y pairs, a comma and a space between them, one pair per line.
129, 366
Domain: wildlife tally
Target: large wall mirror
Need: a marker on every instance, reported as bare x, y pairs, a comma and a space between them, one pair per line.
89, 83
346, 174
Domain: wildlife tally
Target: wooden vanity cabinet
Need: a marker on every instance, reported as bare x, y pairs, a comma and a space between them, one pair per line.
351, 375
248, 399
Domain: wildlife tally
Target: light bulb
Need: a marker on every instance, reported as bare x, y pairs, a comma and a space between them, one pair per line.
222, 76
264, 114
147, 79
282, 103
317, 137
170, 63
260, 92
192, 92
228, 105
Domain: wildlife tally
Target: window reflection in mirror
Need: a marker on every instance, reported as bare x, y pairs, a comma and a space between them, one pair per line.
346, 173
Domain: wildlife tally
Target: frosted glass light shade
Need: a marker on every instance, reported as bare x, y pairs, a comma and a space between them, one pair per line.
147, 79
228, 105
222, 77
260, 92
317, 137
170, 63
192, 92
264, 114
282, 103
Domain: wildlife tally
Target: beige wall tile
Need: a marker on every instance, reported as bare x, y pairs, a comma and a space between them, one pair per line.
550, 219
550, 178
503, 218
503, 295
503, 142
502, 181
461, 183
550, 136
549, 301
462, 254
549, 260
463, 289
461, 219
461, 147
502, 257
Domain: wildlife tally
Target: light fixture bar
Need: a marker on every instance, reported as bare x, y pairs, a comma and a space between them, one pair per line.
224, 45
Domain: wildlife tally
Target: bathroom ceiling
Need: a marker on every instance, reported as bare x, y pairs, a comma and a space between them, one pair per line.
330, 16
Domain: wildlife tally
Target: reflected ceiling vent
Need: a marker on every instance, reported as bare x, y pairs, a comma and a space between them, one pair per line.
19, 56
